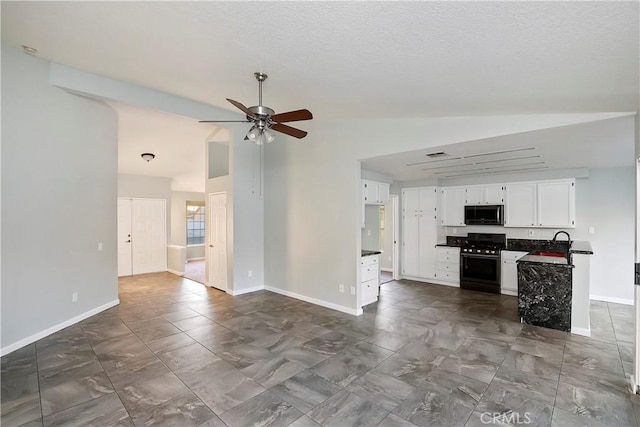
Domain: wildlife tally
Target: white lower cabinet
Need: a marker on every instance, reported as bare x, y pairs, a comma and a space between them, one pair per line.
509, 271
369, 278
448, 264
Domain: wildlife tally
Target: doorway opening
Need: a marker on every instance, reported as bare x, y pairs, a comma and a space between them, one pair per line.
389, 230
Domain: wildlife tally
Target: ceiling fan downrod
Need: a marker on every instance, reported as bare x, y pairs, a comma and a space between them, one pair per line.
260, 77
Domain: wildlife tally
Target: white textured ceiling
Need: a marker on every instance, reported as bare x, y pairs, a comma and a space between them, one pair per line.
353, 59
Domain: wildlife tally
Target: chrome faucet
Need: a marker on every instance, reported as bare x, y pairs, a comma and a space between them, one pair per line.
561, 232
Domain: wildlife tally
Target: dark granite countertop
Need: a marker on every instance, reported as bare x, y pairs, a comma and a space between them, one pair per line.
369, 253
582, 247
545, 260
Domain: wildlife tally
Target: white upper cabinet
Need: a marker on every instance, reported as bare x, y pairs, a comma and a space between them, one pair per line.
453, 200
547, 204
484, 195
375, 193
520, 205
557, 204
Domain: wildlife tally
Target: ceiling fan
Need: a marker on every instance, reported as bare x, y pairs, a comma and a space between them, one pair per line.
264, 119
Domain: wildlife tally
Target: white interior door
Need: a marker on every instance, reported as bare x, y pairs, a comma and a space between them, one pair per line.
218, 240
124, 237
149, 232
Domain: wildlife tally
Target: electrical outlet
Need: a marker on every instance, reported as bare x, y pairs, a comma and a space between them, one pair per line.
530, 233
369, 233
592, 230
341, 287
455, 231
250, 273
99, 246
74, 297
353, 290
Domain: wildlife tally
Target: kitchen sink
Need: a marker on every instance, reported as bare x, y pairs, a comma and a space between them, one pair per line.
544, 253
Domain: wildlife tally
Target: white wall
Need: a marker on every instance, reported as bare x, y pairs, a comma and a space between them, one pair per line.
245, 215
59, 164
612, 212
312, 205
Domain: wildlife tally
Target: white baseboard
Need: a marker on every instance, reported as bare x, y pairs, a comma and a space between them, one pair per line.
506, 292
612, 299
245, 291
35, 337
176, 272
388, 270
354, 312
195, 259
581, 331
431, 281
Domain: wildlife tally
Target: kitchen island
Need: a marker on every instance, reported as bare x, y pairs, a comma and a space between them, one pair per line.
553, 291
544, 291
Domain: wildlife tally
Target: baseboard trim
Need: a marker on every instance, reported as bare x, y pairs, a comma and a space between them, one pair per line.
195, 259
326, 304
506, 292
612, 299
244, 291
388, 270
581, 331
176, 272
35, 337
431, 281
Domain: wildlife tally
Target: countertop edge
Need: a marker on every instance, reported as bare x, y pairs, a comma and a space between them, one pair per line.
364, 253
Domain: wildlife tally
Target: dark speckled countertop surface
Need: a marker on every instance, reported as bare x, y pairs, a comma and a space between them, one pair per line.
367, 253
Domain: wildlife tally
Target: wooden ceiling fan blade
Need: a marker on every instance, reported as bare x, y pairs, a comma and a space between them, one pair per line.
241, 107
292, 116
297, 133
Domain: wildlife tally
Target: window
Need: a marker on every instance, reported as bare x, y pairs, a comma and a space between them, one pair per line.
195, 223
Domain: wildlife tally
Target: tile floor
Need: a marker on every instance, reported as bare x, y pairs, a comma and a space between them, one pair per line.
176, 353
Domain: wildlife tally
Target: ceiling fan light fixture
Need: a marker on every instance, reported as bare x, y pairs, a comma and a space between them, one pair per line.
268, 136
254, 134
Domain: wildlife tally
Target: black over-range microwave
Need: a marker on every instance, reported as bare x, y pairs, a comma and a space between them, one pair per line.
484, 215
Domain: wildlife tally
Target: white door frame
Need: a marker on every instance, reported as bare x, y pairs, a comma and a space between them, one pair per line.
223, 284
395, 243
636, 291
125, 259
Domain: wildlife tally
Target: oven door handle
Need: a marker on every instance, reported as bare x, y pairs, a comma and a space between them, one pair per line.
480, 256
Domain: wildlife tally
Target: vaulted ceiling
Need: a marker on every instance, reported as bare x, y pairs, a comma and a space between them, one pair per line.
353, 60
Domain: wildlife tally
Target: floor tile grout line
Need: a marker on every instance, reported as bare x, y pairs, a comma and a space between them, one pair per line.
35, 348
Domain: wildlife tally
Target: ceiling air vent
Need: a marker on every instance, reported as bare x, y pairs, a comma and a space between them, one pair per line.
436, 155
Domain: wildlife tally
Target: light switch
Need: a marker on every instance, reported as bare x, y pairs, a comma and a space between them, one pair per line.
368, 232
592, 230
99, 246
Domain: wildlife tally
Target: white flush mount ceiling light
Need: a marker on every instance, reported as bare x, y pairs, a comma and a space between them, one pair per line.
30, 50
148, 156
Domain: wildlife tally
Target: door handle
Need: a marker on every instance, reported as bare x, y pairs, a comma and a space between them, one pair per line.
210, 246
128, 241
